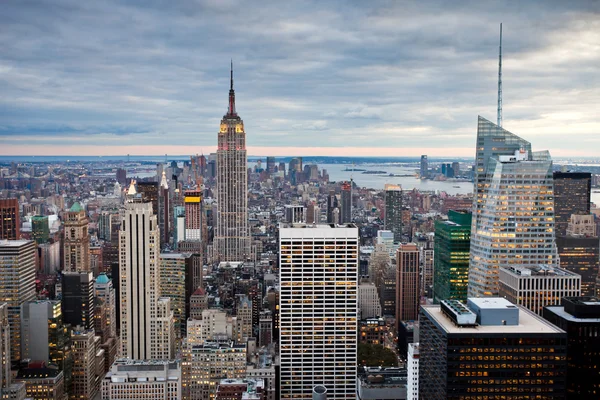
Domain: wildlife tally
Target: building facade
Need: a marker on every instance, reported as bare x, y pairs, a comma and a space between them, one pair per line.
407, 282
10, 222
319, 285
232, 236
77, 240
572, 191
78, 299
412, 365
135, 379
393, 210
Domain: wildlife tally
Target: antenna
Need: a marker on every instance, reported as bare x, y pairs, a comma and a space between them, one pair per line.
499, 122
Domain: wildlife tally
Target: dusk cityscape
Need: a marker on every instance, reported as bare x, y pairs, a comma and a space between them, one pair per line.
232, 200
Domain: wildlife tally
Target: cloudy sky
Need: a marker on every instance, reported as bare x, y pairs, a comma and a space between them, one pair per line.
311, 77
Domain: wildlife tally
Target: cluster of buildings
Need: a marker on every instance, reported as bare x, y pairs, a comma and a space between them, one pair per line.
212, 280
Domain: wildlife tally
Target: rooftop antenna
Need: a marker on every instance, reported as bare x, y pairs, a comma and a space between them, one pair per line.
499, 122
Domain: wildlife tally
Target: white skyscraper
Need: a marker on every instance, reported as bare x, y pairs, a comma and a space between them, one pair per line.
513, 219
318, 310
143, 313
232, 236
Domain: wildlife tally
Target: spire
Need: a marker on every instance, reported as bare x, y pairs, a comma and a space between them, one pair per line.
231, 110
499, 122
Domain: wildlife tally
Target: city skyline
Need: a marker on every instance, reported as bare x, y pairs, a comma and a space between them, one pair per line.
414, 78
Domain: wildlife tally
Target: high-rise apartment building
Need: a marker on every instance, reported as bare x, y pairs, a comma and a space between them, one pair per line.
105, 291
407, 282
232, 236
572, 192
412, 366
393, 210
88, 364
451, 258
579, 251
489, 348
173, 279
537, 287
384, 276
319, 285
5, 375
10, 223
513, 220
580, 318
143, 379
332, 206
346, 196
78, 299
17, 285
143, 312
77, 240
424, 168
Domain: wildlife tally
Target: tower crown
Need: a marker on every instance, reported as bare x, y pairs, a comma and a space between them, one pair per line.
231, 110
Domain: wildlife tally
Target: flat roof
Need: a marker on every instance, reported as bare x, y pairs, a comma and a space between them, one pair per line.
14, 243
560, 311
528, 322
491, 303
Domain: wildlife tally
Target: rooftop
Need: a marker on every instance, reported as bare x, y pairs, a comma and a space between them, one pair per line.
539, 270
14, 243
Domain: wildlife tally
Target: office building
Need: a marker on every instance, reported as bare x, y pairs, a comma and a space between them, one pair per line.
294, 214
173, 280
580, 318
326, 355
105, 226
238, 389
78, 299
193, 215
489, 348
5, 375
368, 301
77, 240
121, 176
204, 365
332, 206
384, 277
232, 236
17, 285
143, 379
144, 313
572, 191
537, 287
373, 330
407, 282
105, 292
424, 168
579, 251
271, 165
164, 210
412, 365
393, 210
10, 223
513, 223
42, 383
40, 229
451, 258
346, 197
88, 364
49, 258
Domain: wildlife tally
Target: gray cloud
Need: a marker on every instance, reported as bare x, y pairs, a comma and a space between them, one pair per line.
376, 74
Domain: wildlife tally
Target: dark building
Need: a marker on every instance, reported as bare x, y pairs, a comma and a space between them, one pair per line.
270, 165
489, 349
149, 192
346, 211
424, 170
121, 176
10, 223
580, 255
451, 257
580, 318
571, 196
332, 204
393, 210
78, 299
40, 229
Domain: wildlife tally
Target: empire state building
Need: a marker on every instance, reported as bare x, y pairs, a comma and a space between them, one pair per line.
232, 238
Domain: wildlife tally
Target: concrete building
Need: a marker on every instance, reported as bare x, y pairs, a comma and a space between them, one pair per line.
326, 355
407, 282
147, 330
135, 379
412, 364
241, 389
377, 383
384, 277
489, 327
10, 221
42, 383
5, 374
393, 210
173, 279
372, 331
232, 235
77, 240
514, 224
193, 215
537, 287
572, 191
424, 168
295, 214
17, 285
88, 364
368, 301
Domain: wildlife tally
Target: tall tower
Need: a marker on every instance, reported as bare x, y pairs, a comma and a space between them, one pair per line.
393, 210
232, 239
77, 240
315, 291
10, 224
141, 308
499, 116
407, 282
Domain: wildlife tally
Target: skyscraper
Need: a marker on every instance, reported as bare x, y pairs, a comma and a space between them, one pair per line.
77, 240
393, 210
193, 215
17, 285
424, 170
572, 192
407, 282
164, 217
346, 195
451, 257
10, 223
332, 205
143, 335
270, 165
513, 219
232, 237
489, 348
316, 262
78, 299
40, 229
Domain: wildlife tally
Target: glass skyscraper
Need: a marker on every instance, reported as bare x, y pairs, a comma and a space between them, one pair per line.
513, 210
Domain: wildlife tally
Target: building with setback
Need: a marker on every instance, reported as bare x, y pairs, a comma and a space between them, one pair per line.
319, 287
489, 348
232, 236
77, 240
